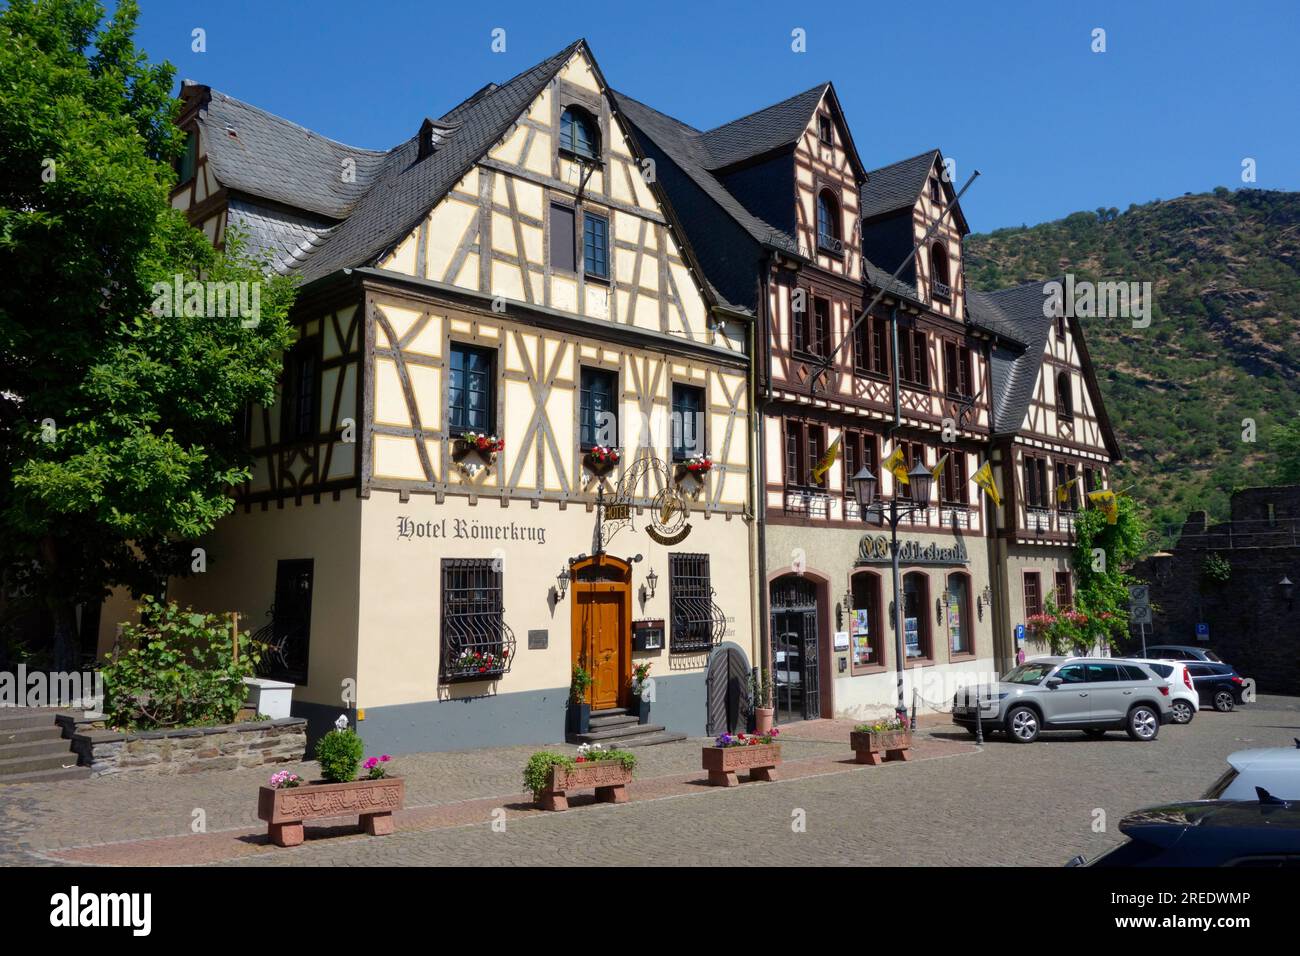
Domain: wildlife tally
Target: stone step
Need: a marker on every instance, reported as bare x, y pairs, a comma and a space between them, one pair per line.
34, 748
43, 762
615, 720
649, 740
30, 734
22, 718
46, 776
604, 736
610, 712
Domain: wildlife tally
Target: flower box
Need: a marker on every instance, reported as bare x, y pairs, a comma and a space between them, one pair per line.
285, 808
869, 745
608, 777
600, 461
473, 445
722, 763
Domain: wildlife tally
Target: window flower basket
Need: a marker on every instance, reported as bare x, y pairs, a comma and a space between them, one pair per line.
757, 753
477, 445
890, 737
600, 460
474, 664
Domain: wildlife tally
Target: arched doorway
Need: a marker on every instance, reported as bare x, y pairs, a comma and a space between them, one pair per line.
728, 692
796, 667
602, 627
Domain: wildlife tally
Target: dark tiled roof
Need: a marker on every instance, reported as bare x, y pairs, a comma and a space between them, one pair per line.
762, 131
405, 190
881, 279
896, 186
1015, 314
255, 152
281, 237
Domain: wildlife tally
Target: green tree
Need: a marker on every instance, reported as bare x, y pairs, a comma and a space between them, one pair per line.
1103, 553
116, 420
1285, 442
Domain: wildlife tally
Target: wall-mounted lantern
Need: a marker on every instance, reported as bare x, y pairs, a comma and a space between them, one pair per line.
561, 584
648, 589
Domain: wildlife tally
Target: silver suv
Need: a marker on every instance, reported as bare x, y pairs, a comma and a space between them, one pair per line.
1092, 694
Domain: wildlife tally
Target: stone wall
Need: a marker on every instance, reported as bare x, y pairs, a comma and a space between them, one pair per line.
193, 749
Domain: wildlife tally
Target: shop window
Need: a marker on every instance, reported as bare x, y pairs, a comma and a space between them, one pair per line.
1033, 594
598, 408
300, 392
916, 614
475, 642
471, 399
695, 621
689, 439
865, 625
957, 600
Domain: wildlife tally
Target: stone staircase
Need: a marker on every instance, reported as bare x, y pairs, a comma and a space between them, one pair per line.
33, 748
617, 727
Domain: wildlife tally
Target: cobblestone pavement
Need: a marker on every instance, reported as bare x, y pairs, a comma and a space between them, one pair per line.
953, 804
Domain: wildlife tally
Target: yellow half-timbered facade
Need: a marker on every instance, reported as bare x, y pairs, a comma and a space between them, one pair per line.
512, 439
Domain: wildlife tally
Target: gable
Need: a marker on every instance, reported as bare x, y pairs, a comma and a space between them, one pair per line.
493, 231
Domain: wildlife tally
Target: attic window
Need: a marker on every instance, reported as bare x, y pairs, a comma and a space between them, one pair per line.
231, 131
936, 190
825, 132
431, 136
579, 133
828, 224
187, 164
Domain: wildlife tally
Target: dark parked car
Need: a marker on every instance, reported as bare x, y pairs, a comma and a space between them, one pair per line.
1209, 833
1183, 652
1217, 685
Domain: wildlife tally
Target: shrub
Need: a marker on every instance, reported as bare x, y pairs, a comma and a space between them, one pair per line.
339, 756
537, 771
178, 669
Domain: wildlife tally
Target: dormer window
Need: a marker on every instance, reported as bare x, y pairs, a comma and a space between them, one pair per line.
187, 164
939, 268
579, 133
828, 224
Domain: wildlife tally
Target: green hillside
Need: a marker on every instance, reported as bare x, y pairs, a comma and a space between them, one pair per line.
1223, 344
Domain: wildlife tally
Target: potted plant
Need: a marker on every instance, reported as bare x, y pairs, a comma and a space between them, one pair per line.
579, 712
760, 683
760, 754
550, 776
286, 801
889, 736
600, 460
640, 703
692, 471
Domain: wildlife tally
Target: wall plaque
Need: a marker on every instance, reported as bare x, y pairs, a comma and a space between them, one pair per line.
537, 640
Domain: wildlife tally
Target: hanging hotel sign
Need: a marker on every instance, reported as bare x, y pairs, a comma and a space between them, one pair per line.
874, 549
666, 508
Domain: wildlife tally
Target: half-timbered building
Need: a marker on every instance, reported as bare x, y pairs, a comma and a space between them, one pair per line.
512, 437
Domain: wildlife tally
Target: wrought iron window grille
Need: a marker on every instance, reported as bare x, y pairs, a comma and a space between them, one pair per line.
698, 624
476, 642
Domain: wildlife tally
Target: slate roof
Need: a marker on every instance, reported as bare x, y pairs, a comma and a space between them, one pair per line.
896, 186
764, 130
255, 152
281, 236
404, 190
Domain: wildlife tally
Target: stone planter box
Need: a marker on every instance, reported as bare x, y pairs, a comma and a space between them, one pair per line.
607, 777
894, 744
192, 749
270, 697
722, 763
373, 801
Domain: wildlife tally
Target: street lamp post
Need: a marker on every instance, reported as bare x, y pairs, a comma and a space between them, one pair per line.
865, 484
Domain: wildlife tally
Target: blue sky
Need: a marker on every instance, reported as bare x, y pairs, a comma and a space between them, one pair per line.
1184, 92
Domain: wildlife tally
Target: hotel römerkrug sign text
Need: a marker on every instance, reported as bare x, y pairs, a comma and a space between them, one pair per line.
464, 529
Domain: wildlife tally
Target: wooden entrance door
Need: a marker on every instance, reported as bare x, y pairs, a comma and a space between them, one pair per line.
602, 631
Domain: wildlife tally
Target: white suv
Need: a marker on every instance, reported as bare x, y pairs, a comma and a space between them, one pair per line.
1276, 769
1183, 699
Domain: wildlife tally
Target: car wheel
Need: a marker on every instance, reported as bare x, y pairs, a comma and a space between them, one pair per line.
1223, 701
1183, 712
1096, 733
1143, 723
1022, 725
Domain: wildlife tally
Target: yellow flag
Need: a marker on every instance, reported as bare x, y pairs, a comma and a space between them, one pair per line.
828, 459
938, 469
984, 478
895, 464
1107, 502
1063, 491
